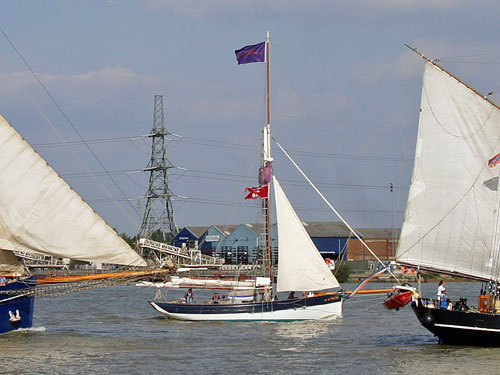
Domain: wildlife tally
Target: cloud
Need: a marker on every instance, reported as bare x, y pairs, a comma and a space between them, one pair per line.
208, 9
78, 90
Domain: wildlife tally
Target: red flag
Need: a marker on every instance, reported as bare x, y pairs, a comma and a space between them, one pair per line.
494, 161
257, 192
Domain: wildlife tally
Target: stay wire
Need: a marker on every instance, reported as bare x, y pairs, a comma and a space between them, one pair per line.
72, 126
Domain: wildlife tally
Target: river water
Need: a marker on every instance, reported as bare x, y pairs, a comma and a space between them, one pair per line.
115, 331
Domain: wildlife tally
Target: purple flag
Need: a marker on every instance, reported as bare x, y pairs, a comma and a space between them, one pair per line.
250, 54
265, 174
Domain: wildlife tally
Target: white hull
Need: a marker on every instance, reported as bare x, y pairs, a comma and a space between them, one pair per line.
329, 311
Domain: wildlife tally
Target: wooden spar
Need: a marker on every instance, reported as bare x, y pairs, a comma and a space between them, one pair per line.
433, 62
370, 291
268, 70
267, 205
99, 276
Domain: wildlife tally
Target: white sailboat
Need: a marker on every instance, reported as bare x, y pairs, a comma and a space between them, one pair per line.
300, 266
451, 223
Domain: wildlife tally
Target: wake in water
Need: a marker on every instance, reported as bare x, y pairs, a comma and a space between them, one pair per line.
30, 330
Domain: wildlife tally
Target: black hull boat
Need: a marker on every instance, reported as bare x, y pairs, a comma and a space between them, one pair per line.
456, 327
452, 219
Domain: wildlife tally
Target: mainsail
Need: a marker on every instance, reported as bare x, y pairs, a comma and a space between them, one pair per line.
300, 265
39, 212
451, 219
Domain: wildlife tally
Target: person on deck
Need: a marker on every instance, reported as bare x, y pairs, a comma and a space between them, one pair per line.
443, 304
189, 296
216, 298
441, 289
3, 280
291, 295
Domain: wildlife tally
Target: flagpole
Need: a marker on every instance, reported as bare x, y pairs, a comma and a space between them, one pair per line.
267, 158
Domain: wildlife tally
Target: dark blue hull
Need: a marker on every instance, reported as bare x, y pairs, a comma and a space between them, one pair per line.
11, 303
324, 306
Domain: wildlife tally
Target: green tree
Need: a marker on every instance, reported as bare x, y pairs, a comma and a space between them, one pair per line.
342, 272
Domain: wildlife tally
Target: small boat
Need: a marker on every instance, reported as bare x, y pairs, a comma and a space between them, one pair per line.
452, 219
399, 297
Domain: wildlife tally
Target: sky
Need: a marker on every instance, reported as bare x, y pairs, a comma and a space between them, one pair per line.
345, 97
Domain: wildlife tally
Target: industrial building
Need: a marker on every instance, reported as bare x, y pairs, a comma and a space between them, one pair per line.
239, 244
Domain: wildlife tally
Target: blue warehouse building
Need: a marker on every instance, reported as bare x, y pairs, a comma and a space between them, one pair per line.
330, 238
188, 236
240, 247
213, 237
239, 244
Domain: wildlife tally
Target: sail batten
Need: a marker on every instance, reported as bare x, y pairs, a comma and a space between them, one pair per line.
41, 213
300, 265
451, 218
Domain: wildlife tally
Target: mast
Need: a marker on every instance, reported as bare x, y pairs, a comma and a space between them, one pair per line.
266, 160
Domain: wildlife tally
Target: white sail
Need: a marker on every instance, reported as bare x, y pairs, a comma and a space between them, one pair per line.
300, 266
39, 212
450, 219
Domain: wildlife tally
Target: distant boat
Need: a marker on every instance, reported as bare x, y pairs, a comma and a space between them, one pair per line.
40, 213
301, 268
452, 222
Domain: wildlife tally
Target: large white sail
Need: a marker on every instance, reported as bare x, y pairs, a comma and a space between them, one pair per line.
451, 217
300, 266
39, 212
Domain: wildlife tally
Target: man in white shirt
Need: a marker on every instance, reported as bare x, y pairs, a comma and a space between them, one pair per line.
441, 289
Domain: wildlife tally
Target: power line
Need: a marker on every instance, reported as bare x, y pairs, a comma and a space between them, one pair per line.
247, 205
226, 145
237, 178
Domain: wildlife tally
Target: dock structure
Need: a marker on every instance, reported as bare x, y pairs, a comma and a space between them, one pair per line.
34, 260
180, 255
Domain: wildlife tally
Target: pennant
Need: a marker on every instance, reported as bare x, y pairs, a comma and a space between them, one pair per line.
265, 174
252, 53
257, 192
494, 161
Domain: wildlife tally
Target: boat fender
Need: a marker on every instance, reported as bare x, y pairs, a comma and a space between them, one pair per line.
428, 320
14, 318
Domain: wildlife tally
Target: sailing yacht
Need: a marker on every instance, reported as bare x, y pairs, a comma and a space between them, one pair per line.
301, 268
452, 223
41, 214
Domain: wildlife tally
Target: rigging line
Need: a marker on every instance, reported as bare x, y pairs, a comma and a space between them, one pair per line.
441, 125
313, 123
52, 127
467, 56
89, 141
333, 208
75, 130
